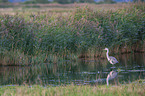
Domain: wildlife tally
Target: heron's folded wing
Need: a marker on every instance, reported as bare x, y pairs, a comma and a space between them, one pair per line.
113, 59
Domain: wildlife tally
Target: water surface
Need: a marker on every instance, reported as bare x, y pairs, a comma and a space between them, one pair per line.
81, 72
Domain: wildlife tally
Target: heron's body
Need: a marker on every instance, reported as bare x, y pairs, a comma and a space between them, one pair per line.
111, 75
111, 59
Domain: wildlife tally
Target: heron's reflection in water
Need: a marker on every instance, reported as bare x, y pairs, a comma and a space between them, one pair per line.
112, 75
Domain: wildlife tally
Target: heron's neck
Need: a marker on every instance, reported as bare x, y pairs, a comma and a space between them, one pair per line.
107, 55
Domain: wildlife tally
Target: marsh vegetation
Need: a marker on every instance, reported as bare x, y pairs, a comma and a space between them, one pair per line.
32, 36
54, 49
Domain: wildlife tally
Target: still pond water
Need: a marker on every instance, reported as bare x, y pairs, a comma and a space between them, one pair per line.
81, 72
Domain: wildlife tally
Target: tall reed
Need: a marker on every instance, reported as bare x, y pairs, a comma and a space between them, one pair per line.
82, 32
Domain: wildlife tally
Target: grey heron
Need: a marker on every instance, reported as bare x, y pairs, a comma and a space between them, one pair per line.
111, 59
111, 75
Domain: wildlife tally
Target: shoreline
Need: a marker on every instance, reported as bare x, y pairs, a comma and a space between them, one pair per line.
134, 89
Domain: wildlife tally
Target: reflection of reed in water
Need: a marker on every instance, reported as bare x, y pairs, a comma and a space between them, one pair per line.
111, 75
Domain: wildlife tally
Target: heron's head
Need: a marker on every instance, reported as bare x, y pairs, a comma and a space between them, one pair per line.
106, 49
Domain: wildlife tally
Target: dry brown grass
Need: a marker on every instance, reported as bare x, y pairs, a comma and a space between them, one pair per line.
58, 7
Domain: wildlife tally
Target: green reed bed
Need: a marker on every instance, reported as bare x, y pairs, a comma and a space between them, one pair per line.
36, 37
133, 89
